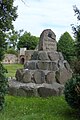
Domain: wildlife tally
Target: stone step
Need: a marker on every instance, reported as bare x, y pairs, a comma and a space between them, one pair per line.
42, 65
31, 89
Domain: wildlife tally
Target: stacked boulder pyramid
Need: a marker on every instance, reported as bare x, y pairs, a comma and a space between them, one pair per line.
45, 74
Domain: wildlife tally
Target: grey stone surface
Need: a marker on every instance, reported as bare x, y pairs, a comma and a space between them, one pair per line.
53, 66
50, 90
19, 74
50, 77
34, 55
31, 65
47, 41
53, 55
27, 76
39, 77
31, 89
47, 65
43, 65
43, 55
61, 56
62, 75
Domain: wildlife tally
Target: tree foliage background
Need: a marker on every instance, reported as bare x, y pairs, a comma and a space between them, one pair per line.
72, 87
28, 41
66, 45
76, 31
7, 15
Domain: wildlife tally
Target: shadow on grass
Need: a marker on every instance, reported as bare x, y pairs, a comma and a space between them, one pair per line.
71, 114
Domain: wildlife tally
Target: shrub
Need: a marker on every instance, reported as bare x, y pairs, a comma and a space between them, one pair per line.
3, 85
77, 67
72, 92
11, 51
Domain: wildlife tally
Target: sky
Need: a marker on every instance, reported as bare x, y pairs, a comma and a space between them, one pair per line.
36, 15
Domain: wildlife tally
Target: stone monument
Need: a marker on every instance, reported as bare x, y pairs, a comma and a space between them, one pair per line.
46, 71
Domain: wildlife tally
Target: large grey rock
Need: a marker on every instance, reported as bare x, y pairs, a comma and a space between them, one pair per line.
19, 74
47, 41
21, 89
39, 77
67, 66
14, 86
62, 75
31, 65
60, 56
50, 77
53, 56
34, 55
43, 55
43, 65
50, 90
26, 91
27, 76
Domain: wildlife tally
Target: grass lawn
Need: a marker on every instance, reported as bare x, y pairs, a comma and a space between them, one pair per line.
34, 108
11, 68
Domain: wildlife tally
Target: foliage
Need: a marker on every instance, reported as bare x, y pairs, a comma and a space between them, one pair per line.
72, 92
77, 67
76, 30
37, 108
66, 46
12, 37
3, 85
28, 41
12, 51
7, 15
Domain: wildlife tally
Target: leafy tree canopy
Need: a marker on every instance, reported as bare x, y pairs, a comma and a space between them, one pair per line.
76, 30
7, 15
66, 46
12, 38
28, 41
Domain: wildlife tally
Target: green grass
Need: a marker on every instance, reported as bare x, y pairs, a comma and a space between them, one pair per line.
34, 108
11, 68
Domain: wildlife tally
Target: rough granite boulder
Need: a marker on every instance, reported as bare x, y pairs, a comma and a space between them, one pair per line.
47, 41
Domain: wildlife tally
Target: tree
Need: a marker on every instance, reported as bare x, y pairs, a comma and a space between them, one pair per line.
12, 38
28, 41
66, 46
72, 87
76, 30
7, 15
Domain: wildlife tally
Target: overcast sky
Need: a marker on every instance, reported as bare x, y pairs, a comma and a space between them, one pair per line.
37, 15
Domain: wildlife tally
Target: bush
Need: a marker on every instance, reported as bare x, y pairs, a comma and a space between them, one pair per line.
3, 85
11, 51
77, 67
72, 92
